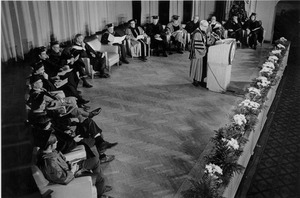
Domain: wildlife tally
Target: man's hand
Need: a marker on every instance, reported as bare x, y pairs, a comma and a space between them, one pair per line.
74, 167
45, 75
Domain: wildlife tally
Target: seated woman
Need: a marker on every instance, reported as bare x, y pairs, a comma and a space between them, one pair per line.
177, 33
138, 39
255, 31
56, 169
234, 28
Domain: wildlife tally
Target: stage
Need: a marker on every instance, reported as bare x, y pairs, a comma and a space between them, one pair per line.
162, 122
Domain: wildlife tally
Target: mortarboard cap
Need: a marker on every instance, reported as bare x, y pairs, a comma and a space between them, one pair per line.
155, 17
54, 43
175, 17
131, 20
109, 25
34, 78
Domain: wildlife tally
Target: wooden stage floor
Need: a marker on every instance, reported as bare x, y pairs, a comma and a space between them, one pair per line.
162, 122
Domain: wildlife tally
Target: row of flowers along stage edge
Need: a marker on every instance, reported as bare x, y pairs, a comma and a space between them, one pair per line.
229, 141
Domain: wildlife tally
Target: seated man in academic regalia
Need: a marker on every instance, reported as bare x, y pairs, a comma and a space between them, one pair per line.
158, 36
85, 51
191, 26
177, 33
108, 38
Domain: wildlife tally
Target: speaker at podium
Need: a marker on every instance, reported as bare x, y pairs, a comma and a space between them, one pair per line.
219, 59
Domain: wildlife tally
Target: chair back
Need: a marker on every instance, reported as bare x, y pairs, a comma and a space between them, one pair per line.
39, 178
95, 44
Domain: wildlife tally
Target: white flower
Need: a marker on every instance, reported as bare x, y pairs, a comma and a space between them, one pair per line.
233, 143
267, 70
273, 58
263, 81
269, 65
211, 169
276, 51
239, 119
253, 90
280, 46
261, 78
249, 104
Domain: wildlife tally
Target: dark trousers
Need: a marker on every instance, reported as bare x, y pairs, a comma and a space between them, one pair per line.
98, 63
122, 51
256, 36
97, 175
156, 44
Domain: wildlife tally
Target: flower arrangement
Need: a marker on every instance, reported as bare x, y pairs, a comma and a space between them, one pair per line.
228, 142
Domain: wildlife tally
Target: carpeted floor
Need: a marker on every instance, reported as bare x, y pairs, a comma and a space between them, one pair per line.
274, 170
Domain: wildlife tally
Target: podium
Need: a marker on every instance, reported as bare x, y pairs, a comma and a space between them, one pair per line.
219, 59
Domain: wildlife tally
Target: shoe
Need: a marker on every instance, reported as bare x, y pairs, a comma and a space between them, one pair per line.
125, 61
107, 158
106, 74
95, 112
120, 63
203, 84
143, 59
180, 51
103, 76
107, 189
87, 85
165, 54
195, 83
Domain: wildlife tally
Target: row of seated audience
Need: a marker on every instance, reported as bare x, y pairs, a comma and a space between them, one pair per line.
59, 115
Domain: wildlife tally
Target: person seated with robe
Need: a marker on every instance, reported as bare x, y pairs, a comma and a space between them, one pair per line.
59, 58
192, 25
54, 66
91, 134
255, 31
56, 169
138, 39
85, 51
234, 28
177, 33
65, 85
108, 38
216, 28
158, 36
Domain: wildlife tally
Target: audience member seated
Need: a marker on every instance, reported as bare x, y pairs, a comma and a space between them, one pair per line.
216, 28
108, 38
234, 28
86, 128
138, 40
57, 170
59, 58
191, 26
255, 31
177, 33
40, 83
85, 51
158, 36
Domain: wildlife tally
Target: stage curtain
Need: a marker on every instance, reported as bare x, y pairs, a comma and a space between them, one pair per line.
176, 8
204, 9
149, 8
27, 24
